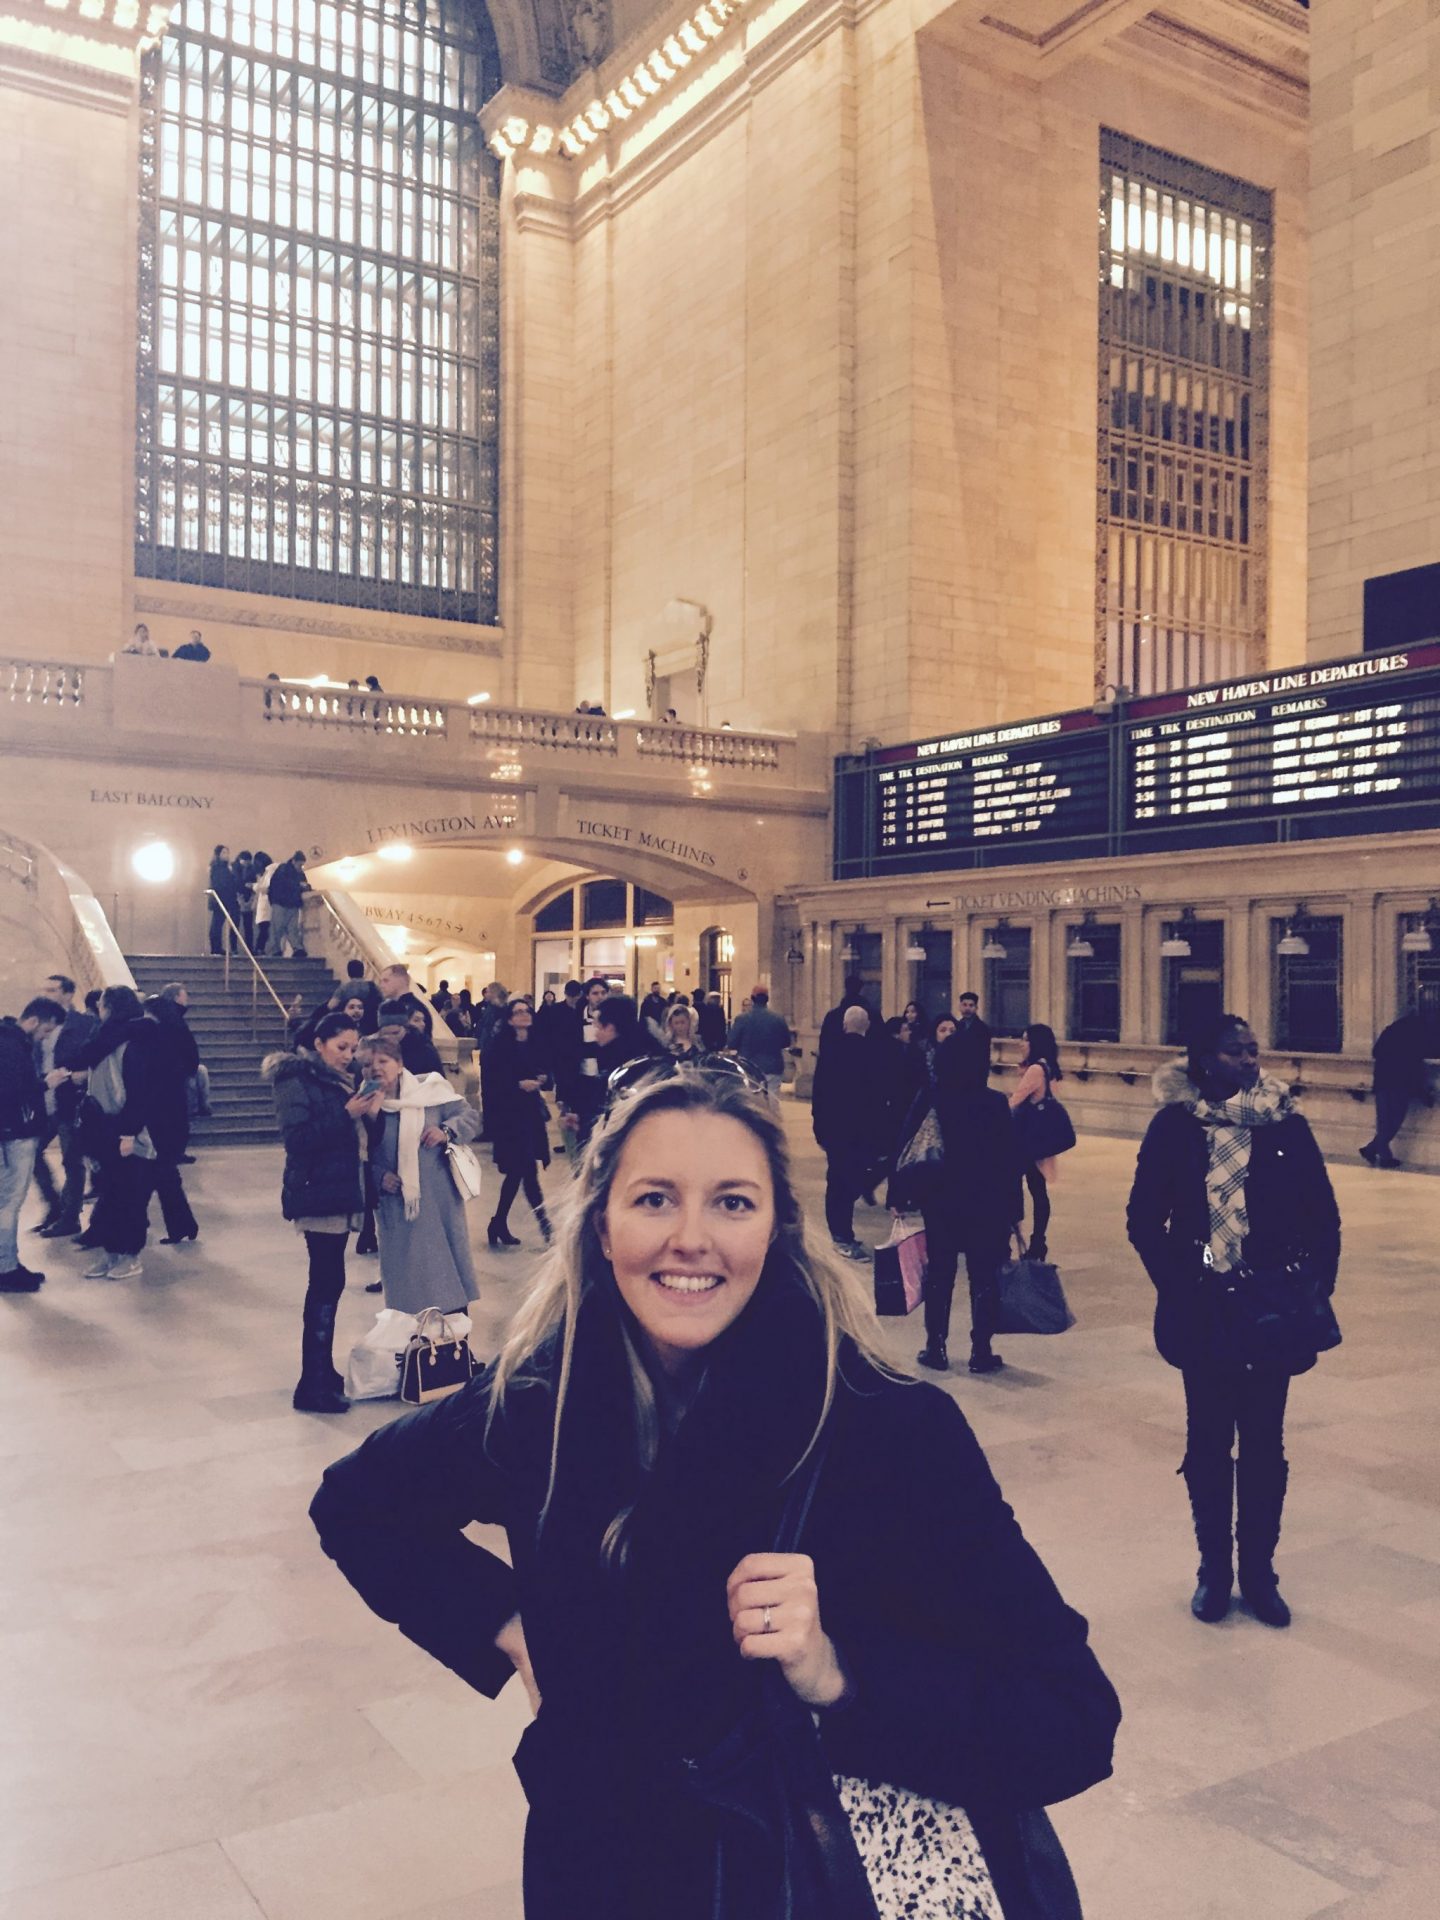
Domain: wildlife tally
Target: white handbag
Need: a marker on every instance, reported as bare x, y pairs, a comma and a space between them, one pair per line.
464, 1165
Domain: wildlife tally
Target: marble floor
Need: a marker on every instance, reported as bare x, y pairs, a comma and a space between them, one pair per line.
198, 1720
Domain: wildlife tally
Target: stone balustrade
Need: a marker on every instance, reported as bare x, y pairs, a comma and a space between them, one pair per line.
145, 693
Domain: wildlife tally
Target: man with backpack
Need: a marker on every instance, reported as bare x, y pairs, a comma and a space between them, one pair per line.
23, 1123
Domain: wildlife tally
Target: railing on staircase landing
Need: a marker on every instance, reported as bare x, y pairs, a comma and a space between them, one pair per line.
257, 975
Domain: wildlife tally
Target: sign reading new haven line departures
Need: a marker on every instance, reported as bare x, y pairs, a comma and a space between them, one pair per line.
1341, 747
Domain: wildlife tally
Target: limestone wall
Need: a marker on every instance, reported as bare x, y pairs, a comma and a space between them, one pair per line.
1374, 290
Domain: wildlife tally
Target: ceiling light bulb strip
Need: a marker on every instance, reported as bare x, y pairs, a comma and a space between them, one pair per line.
646, 81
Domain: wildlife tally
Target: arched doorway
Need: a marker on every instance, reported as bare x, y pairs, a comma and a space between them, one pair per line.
717, 964
604, 928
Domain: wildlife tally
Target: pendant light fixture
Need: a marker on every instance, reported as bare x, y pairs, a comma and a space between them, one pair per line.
1081, 946
1421, 937
994, 947
1177, 944
1292, 944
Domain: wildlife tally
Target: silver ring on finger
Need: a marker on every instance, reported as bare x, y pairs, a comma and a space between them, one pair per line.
765, 1626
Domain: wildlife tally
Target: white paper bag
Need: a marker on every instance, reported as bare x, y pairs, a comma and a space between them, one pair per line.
373, 1369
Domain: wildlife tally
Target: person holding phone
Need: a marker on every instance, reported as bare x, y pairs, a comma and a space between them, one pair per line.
320, 1114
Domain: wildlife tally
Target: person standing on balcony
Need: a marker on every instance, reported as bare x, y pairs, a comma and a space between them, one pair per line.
287, 897
224, 898
22, 1127
261, 869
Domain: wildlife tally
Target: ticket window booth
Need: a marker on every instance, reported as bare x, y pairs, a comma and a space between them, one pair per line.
1092, 954
928, 957
1192, 958
862, 958
1307, 971
1420, 965
1006, 958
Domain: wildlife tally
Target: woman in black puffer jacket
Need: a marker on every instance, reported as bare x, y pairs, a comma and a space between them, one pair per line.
319, 1113
1231, 1211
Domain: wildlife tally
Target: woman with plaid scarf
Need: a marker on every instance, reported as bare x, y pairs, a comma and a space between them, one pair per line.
1230, 1192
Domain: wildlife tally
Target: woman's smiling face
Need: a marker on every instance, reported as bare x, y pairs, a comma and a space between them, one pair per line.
686, 1228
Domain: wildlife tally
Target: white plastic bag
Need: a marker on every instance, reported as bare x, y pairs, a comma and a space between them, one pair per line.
373, 1369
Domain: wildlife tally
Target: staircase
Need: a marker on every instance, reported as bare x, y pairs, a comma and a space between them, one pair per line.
242, 1112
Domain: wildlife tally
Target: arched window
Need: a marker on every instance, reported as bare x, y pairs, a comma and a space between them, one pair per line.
318, 362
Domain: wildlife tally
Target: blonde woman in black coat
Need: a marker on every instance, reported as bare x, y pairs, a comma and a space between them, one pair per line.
689, 1368
1234, 1216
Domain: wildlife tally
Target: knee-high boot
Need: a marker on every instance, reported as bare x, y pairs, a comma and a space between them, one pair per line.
1261, 1487
319, 1389
1212, 1500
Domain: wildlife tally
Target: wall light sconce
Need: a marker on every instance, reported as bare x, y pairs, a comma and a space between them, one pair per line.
1081, 946
154, 862
1421, 938
994, 947
515, 856
1292, 944
398, 851
1176, 944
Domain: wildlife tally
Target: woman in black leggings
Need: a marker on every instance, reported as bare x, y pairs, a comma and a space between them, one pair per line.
1039, 1070
320, 1114
1233, 1214
514, 1070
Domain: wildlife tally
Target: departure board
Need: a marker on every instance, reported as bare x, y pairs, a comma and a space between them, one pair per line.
1338, 747
1044, 780
1362, 745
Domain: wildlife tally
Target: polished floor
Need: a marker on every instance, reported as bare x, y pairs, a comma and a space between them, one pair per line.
198, 1721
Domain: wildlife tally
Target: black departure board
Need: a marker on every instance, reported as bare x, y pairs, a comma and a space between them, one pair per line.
1338, 747
995, 786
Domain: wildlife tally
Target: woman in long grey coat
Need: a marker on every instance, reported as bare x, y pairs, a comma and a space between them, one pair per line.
425, 1258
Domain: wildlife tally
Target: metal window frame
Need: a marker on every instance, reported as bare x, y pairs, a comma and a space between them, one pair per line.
401, 501
1207, 649
1286, 973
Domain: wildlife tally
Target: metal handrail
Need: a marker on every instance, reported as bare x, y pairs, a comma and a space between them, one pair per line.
258, 976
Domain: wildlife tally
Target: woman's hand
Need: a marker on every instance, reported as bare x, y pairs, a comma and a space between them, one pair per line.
529, 1086
363, 1106
433, 1137
127, 1145
511, 1642
390, 1183
781, 1587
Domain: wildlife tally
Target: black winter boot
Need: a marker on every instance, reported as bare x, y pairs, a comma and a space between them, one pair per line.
1261, 1490
546, 1231
1212, 1497
318, 1391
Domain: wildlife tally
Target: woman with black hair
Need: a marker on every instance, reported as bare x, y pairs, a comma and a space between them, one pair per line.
1039, 1070
320, 1114
1233, 1214
514, 1071
121, 1105
751, 1621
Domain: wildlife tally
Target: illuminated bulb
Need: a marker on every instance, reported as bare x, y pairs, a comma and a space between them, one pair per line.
542, 140
617, 106
155, 862
675, 53
631, 92
95, 10
597, 116
708, 24
515, 130
477, 699
623, 713
515, 857
349, 868
397, 850
646, 80
571, 145
500, 146
660, 66
691, 38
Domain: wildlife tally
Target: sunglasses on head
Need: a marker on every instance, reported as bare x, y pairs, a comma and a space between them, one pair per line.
719, 1070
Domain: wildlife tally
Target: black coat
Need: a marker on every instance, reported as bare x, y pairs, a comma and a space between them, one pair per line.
175, 1057
710, 1022
977, 1196
972, 1679
1291, 1209
222, 883
516, 1122
322, 1146
850, 1098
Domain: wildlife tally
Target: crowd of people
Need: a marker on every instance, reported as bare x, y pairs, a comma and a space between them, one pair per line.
258, 900
683, 1291
109, 1083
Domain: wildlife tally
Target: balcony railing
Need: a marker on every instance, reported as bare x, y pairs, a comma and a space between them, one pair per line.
710, 746
517, 727
354, 712
42, 683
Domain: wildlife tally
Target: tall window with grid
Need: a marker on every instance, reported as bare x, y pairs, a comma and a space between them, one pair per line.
1184, 376
318, 357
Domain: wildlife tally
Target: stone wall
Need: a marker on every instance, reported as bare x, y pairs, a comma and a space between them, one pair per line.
1374, 291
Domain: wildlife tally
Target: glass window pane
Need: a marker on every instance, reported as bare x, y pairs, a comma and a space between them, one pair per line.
290, 124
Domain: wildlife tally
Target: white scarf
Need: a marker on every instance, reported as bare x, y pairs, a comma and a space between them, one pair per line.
417, 1091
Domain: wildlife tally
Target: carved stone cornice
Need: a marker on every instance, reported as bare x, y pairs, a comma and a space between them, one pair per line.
239, 610
88, 59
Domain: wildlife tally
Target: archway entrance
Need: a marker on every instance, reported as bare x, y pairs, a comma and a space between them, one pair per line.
717, 965
603, 928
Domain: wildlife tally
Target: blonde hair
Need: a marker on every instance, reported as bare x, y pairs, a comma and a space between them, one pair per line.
687, 1014
576, 1269
374, 1043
